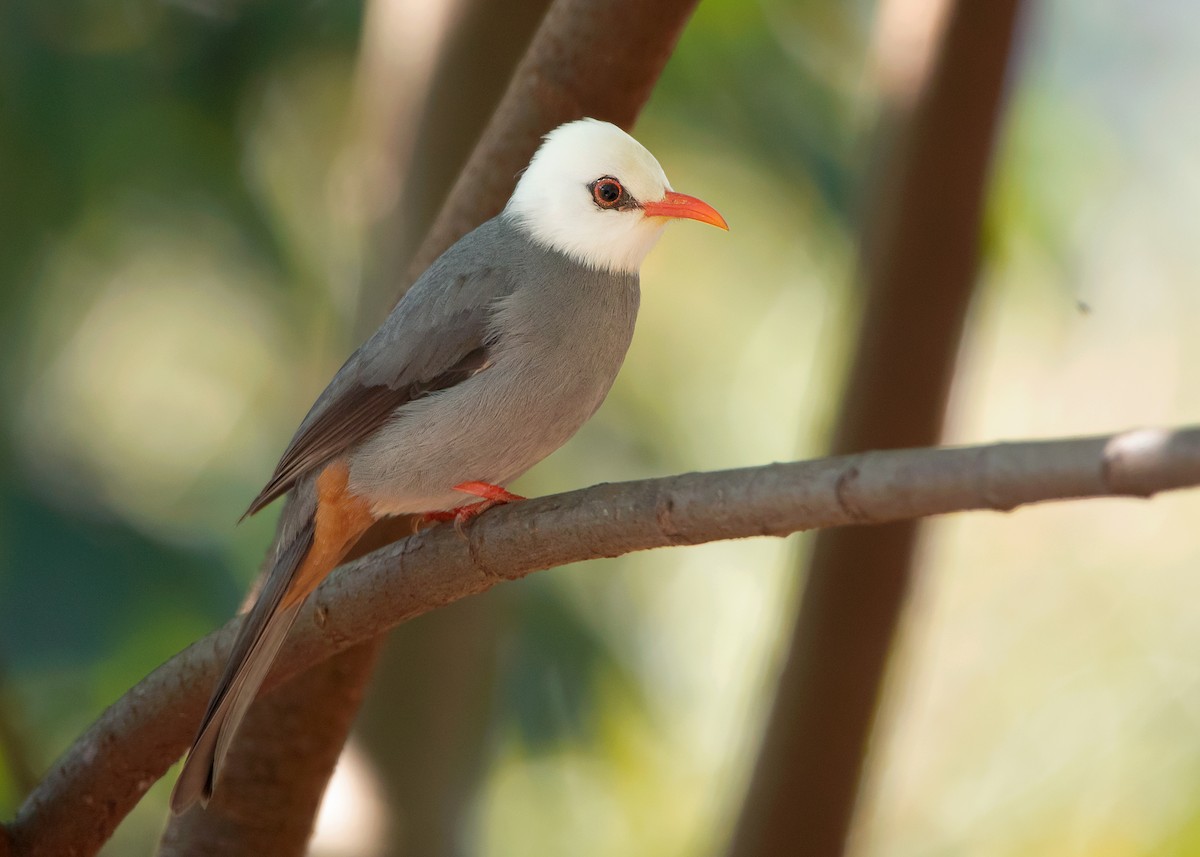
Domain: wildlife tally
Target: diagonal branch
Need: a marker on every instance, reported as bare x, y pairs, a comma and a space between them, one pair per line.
99, 779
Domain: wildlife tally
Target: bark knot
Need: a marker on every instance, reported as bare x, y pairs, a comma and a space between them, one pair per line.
664, 512
845, 490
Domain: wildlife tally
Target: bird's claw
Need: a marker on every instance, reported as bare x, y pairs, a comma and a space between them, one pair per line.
493, 495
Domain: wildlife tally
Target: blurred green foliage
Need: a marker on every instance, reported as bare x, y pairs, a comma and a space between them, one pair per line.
117, 119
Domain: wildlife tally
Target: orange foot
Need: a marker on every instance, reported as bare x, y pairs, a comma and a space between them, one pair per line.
493, 495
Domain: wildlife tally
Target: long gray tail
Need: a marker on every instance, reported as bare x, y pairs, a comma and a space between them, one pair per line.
262, 633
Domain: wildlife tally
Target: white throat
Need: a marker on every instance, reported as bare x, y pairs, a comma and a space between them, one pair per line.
618, 248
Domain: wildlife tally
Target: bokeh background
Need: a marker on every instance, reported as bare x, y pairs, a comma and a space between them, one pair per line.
205, 205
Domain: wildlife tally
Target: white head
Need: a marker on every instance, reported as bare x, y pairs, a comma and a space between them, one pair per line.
595, 194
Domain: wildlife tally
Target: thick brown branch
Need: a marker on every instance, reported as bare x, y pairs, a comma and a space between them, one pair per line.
101, 777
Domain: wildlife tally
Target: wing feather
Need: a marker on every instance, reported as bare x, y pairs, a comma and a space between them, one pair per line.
351, 418
436, 337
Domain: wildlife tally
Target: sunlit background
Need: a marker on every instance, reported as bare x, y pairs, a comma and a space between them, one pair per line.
193, 201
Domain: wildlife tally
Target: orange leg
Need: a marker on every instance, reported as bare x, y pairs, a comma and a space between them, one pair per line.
493, 495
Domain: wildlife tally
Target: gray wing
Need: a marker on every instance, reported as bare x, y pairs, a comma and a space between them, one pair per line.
436, 337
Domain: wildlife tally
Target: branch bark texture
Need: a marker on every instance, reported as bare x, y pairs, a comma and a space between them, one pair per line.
100, 778
919, 263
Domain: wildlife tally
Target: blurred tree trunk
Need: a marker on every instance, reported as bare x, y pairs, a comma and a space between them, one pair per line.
424, 722
919, 263
562, 77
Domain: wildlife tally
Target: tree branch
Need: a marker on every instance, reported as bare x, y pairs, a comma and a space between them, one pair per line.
100, 778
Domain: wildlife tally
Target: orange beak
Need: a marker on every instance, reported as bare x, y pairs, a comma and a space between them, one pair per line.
680, 205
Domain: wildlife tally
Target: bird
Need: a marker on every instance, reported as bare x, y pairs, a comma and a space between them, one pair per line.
498, 353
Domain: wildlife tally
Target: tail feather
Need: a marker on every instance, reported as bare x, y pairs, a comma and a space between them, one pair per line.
262, 633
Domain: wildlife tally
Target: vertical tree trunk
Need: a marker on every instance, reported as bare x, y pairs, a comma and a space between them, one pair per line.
920, 261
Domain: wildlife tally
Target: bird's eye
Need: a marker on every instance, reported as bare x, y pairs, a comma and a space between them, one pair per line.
607, 192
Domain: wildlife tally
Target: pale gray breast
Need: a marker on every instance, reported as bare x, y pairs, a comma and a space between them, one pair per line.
556, 342
565, 330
